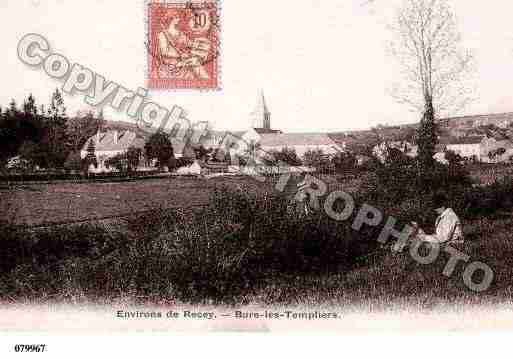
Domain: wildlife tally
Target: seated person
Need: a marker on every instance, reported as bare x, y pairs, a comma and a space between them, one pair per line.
448, 225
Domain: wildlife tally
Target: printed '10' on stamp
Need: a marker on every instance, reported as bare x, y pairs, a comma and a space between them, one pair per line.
183, 45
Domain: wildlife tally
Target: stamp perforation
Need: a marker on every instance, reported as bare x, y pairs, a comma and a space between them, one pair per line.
172, 78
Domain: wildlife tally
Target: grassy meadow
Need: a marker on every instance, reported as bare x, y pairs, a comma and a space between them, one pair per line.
235, 241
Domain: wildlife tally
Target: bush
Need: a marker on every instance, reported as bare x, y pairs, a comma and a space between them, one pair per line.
286, 155
487, 200
119, 162
73, 162
399, 179
317, 159
345, 162
176, 163
219, 253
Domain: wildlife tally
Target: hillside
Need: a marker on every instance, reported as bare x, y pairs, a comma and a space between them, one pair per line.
498, 126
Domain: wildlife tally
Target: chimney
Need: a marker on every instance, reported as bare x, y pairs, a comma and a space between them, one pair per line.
115, 134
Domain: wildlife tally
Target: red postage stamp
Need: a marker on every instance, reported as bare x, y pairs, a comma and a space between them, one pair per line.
183, 45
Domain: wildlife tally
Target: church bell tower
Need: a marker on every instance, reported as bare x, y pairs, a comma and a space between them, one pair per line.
261, 117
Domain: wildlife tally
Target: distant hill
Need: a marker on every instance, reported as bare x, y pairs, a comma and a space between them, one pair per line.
498, 126
124, 126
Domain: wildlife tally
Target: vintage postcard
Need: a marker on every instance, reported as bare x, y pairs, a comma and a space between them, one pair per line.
171, 166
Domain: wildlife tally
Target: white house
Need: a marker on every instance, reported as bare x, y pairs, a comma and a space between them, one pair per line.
111, 143
300, 142
467, 147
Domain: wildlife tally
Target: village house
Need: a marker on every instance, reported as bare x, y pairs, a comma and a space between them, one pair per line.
111, 143
479, 148
467, 147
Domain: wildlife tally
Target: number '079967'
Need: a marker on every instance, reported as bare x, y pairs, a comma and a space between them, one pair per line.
29, 348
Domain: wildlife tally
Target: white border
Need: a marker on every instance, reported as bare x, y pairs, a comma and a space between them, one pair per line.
259, 346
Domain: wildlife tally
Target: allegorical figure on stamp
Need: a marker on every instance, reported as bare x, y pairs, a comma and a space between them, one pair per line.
183, 45
181, 56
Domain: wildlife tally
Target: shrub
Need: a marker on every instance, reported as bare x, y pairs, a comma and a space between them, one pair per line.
318, 160
487, 200
175, 163
119, 162
159, 146
90, 158
73, 162
345, 162
399, 179
286, 155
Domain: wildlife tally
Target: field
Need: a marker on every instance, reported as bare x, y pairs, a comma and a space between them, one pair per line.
62, 202
239, 247
488, 173
41, 204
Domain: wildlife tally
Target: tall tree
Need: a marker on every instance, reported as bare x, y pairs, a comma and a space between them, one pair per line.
427, 138
29, 105
435, 66
56, 137
133, 157
10, 135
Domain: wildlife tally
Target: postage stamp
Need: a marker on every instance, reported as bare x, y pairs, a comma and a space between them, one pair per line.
183, 45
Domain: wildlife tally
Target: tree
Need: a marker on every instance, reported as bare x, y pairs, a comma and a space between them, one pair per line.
133, 155
317, 159
345, 162
251, 154
427, 138
56, 140
29, 105
202, 153
73, 162
119, 162
288, 156
159, 147
80, 129
435, 67
18, 127
90, 158
497, 153
453, 157
29, 151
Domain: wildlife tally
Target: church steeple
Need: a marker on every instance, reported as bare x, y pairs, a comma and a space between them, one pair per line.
261, 117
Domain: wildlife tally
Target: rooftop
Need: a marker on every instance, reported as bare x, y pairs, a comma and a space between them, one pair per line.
295, 139
107, 141
468, 140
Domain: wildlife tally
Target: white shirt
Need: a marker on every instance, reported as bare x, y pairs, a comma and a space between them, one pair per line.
448, 229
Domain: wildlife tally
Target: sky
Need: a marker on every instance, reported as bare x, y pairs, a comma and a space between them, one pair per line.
322, 64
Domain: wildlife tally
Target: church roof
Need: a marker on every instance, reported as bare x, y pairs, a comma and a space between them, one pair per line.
295, 139
262, 131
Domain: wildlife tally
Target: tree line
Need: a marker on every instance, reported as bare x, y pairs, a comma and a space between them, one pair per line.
43, 136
